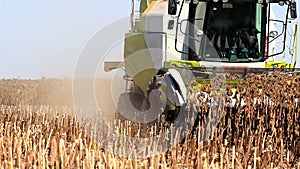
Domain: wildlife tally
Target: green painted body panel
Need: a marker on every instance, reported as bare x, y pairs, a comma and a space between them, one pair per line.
138, 63
296, 44
278, 64
181, 63
143, 5
258, 21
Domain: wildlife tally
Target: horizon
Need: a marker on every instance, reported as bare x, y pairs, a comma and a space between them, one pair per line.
45, 39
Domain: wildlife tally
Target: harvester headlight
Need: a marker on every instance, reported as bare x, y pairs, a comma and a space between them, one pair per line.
183, 65
224, 1
215, 0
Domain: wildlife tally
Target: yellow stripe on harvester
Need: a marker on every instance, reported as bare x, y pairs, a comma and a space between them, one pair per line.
152, 4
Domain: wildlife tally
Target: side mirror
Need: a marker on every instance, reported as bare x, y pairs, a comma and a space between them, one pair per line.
172, 8
293, 8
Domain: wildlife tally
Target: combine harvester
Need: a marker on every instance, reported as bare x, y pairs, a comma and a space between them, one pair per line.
169, 38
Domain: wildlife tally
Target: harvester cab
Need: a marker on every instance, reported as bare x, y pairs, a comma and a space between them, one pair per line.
240, 31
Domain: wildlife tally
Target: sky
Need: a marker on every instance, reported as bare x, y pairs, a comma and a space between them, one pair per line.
43, 38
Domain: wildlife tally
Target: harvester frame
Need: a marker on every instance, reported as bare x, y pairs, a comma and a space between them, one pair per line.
143, 36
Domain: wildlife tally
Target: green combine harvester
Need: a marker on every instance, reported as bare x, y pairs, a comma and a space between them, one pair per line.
174, 42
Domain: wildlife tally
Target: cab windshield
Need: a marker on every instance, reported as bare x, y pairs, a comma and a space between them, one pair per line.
234, 31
